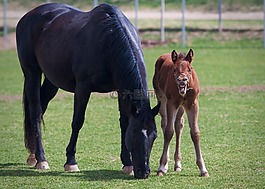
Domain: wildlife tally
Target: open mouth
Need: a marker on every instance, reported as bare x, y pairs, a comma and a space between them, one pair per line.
182, 89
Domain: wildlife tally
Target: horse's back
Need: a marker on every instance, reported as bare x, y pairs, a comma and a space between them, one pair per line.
163, 70
38, 23
68, 45
41, 42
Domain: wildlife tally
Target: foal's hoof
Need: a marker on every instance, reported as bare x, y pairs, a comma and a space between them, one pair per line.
71, 168
160, 173
31, 160
42, 165
128, 170
206, 174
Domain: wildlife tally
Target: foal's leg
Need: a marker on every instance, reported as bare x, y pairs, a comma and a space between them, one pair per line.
81, 98
195, 136
168, 132
32, 99
179, 124
47, 92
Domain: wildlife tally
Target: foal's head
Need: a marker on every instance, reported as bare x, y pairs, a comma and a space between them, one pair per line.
182, 70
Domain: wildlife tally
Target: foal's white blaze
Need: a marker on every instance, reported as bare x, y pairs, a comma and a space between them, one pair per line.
144, 131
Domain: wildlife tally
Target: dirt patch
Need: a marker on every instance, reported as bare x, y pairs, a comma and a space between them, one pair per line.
9, 42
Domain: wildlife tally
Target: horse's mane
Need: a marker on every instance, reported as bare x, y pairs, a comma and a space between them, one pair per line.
122, 50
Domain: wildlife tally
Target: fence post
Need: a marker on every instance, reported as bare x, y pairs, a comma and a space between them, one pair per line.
162, 25
95, 3
220, 14
136, 13
263, 23
5, 21
183, 36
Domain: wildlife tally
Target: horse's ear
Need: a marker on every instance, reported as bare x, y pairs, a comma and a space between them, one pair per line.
155, 110
174, 56
190, 55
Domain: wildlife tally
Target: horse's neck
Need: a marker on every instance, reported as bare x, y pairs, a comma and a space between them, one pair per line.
134, 95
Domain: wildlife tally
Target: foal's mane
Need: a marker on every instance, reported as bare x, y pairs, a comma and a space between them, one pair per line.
181, 55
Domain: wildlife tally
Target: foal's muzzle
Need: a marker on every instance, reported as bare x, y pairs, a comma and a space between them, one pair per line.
183, 82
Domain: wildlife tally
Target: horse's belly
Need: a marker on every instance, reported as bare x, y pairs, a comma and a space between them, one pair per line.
60, 77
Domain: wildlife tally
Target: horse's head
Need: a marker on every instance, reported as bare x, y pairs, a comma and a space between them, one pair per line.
140, 136
182, 70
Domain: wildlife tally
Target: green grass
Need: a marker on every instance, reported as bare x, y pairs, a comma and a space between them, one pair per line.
231, 125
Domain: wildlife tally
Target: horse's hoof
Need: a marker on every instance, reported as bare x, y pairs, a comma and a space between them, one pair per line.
206, 174
42, 165
31, 160
71, 168
177, 169
128, 170
160, 173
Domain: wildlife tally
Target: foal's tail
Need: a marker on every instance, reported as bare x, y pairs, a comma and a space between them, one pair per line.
29, 136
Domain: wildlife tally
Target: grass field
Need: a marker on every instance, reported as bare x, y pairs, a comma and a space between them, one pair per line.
231, 121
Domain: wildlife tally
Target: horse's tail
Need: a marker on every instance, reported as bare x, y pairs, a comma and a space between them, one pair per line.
29, 136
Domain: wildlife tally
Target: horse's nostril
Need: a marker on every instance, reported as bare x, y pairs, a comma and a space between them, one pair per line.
142, 174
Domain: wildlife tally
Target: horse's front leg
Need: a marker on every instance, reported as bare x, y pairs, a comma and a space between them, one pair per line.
81, 98
192, 114
179, 124
168, 132
125, 154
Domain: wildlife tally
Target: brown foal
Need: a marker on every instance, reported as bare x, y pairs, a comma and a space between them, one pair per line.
177, 88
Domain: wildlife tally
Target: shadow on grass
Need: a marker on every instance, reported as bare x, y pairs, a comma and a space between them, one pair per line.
22, 170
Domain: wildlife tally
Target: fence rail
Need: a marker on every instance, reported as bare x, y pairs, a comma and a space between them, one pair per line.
165, 21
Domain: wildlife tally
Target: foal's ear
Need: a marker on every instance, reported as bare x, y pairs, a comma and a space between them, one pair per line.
155, 110
189, 56
174, 56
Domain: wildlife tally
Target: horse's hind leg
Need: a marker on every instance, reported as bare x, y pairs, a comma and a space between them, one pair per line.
179, 124
192, 114
47, 92
33, 115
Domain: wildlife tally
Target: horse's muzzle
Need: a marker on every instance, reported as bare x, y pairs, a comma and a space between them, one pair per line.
139, 174
183, 82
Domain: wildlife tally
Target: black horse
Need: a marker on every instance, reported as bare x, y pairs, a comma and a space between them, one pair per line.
84, 52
